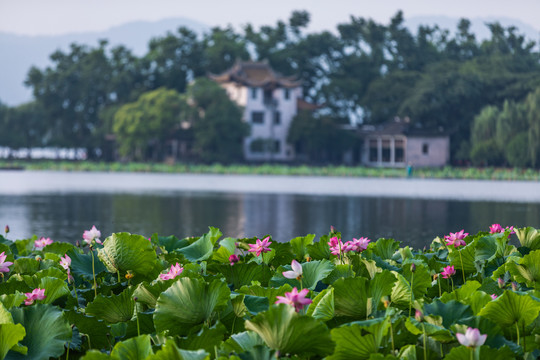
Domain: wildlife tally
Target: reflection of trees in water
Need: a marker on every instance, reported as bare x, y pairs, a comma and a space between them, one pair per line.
414, 222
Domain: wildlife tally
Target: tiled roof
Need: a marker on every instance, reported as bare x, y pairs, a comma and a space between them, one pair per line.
255, 74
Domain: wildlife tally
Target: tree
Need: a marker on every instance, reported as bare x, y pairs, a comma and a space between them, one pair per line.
147, 123
218, 129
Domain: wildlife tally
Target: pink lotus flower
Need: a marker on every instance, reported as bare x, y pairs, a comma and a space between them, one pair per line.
36, 294
233, 259
493, 296
456, 238
4, 265
172, 273
65, 262
42, 242
418, 315
6, 229
497, 228
336, 246
448, 272
295, 273
260, 246
295, 298
471, 338
357, 245
92, 234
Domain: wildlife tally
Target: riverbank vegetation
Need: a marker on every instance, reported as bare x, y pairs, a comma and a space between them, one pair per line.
464, 296
96, 97
469, 173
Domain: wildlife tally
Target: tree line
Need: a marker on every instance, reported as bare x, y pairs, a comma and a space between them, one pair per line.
363, 72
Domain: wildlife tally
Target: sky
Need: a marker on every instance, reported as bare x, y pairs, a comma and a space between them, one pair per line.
54, 17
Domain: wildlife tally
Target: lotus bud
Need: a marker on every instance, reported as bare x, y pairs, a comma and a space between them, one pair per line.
77, 243
233, 259
419, 316
413, 267
500, 282
6, 229
515, 286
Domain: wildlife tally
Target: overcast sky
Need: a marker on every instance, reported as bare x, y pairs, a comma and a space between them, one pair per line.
48, 17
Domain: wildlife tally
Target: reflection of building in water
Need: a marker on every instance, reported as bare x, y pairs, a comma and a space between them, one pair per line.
269, 214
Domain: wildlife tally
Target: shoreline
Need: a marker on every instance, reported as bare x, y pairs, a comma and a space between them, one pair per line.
28, 182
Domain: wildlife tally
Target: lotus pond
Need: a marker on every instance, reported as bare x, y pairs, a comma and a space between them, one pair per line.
129, 297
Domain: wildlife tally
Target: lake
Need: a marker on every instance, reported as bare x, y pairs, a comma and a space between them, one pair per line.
62, 205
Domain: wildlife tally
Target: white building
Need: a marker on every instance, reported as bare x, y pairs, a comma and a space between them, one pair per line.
270, 102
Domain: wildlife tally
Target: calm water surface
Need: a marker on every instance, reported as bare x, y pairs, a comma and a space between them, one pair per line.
64, 216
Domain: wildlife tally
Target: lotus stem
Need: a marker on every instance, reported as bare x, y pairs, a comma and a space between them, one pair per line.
119, 278
472, 353
392, 337
93, 274
412, 293
439, 282
425, 340
138, 327
452, 281
67, 352
517, 331
462, 267
524, 340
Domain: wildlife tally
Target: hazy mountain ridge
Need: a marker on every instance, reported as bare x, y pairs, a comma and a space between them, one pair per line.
20, 52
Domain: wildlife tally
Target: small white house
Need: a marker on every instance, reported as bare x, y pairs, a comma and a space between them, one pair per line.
398, 143
270, 102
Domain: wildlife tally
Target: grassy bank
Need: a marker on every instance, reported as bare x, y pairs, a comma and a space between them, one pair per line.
274, 169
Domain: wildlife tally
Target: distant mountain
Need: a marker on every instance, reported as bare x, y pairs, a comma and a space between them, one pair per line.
20, 52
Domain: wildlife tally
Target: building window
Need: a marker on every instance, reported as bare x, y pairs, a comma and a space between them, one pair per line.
253, 93
425, 149
286, 94
277, 118
257, 146
386, 150
257, 117
277, 147
373, 150
399, 148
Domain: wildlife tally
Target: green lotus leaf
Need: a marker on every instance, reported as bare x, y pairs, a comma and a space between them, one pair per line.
478, 300
386, 248
242, 274
95, 355
451, 312
401, 292
12, 300
322, 307
283, 329
24, 247
527, 270
54, 288
434, 331
462, 293
340, 271
528, 237
148, 293
484, 352
137, 348
202, 248
299, 245
269, 293
171, 243
81, 265
145, 325
467, 255
255, 304
368, 268
227, 247
242, 342
59, 248
123, 251
408, 352
113, 309
320, 249
10, 335
282, 253
95, 329
511, 308
491, 246
358, 340
47, 331
169, 351
206, 338
189, 302
25, 266
312, 273
358, 297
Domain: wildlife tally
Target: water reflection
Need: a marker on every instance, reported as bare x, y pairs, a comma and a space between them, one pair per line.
413, 221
